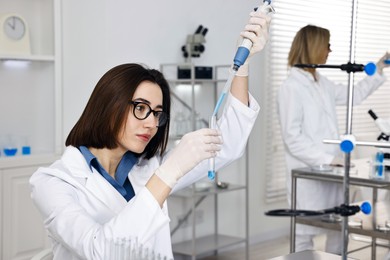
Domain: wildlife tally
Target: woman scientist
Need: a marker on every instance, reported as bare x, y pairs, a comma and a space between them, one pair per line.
307, 113
113, 180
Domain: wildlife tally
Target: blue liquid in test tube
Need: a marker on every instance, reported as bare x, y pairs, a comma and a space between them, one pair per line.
211, 172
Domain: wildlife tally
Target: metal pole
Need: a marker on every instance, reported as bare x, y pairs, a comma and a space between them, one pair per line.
351, 75
247, 202
360, 143
349, 130
293, 207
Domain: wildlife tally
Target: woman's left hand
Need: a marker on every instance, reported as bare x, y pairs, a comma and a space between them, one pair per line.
381, 64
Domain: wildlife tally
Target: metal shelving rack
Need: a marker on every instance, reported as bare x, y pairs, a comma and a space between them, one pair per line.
215, 241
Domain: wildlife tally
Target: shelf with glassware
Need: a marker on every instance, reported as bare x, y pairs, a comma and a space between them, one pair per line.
193, 101
30, 69
192, 98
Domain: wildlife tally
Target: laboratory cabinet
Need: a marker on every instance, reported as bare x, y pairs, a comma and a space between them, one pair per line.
21, 225
200, 211
30, 116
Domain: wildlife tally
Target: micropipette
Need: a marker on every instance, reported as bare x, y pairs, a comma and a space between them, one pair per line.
239, 59
246, 45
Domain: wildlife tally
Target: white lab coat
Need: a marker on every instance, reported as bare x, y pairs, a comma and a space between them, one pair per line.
81, 209
307, 114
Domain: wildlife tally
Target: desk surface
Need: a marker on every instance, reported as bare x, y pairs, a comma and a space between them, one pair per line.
367, 229
309, 255
358, 175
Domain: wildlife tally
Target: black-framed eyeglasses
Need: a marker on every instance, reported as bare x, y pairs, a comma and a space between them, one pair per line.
142, 110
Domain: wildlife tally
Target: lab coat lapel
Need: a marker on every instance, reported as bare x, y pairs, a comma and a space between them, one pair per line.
328, 105
307, 81
92, 180
319, 95
315, 89
105, 192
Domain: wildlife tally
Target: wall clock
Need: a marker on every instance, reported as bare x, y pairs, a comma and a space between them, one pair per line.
14, 35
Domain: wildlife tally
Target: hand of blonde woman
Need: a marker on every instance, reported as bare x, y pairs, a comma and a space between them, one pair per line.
381, 64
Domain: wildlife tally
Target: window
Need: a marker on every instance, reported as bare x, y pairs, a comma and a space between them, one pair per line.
372, 41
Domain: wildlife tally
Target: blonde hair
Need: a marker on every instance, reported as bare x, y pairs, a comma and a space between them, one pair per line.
306, 46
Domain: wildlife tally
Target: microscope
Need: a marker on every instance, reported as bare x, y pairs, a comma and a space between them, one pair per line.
384, 127
194, 46
193, 49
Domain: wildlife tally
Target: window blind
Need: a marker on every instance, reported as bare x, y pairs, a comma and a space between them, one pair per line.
372, 41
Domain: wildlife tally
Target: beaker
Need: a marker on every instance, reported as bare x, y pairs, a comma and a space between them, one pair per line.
377, 167
10, 147
25, 145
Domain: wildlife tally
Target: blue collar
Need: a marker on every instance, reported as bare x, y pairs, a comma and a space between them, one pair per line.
127, 162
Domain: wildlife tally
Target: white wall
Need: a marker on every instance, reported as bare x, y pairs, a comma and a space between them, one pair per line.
99, 34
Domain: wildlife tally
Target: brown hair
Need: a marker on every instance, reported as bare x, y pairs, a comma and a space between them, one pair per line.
306, 43
108, 108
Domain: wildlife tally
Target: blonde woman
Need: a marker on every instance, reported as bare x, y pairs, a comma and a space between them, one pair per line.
307, 112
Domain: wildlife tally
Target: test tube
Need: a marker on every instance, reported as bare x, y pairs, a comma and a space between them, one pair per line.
211, 172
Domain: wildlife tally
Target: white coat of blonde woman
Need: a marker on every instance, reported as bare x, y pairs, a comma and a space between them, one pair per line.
307, 104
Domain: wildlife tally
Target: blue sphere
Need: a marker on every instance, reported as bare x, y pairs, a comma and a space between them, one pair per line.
346, 146
366, 208
370, 68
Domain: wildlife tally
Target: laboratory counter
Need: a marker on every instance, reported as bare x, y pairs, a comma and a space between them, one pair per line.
375, 225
